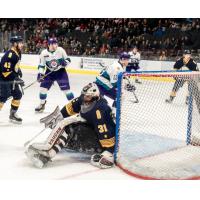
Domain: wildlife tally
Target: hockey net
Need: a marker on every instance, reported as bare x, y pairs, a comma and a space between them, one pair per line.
155, 139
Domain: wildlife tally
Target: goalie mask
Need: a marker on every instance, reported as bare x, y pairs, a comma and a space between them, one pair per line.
90, 93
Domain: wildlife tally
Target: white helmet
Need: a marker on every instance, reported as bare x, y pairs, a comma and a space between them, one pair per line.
91, 90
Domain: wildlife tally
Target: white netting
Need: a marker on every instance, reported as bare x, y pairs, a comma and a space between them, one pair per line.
155, 137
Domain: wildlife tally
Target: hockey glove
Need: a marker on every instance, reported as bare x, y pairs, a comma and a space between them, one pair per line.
129, 87
40, 77
103, 161
19, 81
65, 62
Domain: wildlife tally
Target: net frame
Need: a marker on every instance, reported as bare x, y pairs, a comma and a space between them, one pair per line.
118, 112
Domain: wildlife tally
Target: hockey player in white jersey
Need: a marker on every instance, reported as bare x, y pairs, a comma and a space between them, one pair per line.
133, 65
53, 62
107, 80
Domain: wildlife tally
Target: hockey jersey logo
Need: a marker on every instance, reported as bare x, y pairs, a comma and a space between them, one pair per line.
54, 64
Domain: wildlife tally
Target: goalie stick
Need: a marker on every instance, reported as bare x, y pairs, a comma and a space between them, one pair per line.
135, 96
29, 141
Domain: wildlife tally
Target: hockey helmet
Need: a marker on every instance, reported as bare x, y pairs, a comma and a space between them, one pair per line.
52, 41
91, 90
187, 51
124, 56
16, 38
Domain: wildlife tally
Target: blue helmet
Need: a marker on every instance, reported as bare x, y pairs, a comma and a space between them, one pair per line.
124, 56
16, 38
52, 41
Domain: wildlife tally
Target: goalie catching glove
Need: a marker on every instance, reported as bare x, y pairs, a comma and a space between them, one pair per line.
103, 161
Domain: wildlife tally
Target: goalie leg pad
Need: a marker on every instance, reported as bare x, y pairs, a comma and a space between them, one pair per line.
57, 132
37, 159
51, 140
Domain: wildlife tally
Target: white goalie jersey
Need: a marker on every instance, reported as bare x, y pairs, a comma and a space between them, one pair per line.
134, 58
52, 60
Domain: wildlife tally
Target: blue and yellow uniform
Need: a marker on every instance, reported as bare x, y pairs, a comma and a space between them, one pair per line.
99, 117
9, 66
185, 64
9, 71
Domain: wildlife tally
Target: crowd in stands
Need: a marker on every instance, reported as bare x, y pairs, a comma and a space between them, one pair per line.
91, 37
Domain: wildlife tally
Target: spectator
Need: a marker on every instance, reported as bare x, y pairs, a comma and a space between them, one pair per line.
163, 56
103, 36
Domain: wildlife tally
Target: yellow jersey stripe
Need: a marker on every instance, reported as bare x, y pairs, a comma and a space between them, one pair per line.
69, 109
108, 142
5, 74
1, 105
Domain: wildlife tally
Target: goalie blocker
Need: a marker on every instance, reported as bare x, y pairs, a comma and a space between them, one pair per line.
85, 124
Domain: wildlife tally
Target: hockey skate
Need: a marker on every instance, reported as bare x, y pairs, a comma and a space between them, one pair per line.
36, 158
40, 108
14, 117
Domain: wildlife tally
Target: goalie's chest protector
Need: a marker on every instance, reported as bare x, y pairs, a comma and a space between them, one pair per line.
94, 115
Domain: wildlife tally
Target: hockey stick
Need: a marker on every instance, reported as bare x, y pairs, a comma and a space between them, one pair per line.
34, 82
133, 92
29, 141
102, 65
38, 80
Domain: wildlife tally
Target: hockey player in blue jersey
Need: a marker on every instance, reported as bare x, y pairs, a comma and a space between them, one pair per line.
84, 124
53, 62
10, 78
184, 63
